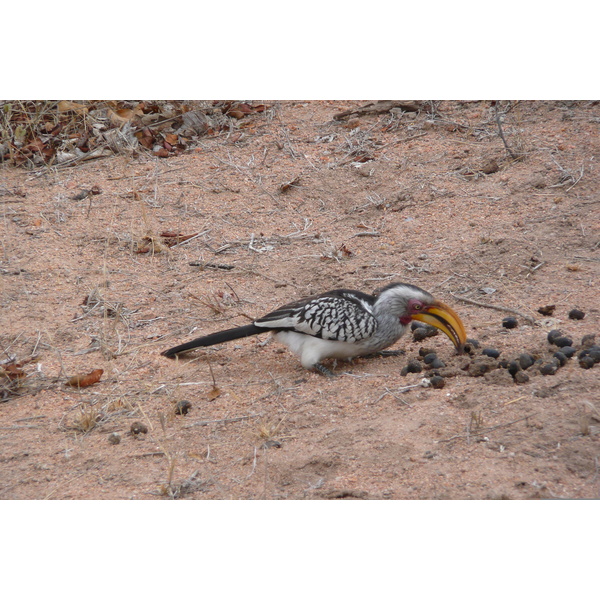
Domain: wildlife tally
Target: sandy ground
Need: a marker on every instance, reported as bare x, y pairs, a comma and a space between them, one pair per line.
289, 203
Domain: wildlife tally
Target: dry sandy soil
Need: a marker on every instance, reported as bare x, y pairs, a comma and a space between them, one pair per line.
289, 203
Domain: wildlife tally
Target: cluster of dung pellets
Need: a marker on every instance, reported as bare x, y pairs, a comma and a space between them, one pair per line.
480, 361
427, 361
562, 349
588, 353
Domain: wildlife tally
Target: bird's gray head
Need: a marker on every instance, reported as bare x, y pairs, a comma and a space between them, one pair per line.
402, 299
408, 302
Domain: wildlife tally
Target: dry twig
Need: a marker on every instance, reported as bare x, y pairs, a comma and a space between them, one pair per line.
527, 318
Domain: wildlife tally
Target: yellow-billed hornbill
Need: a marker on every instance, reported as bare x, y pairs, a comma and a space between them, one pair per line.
344, 324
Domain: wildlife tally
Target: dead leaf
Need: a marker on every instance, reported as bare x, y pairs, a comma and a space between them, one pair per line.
245, 108
120, 116
172, 139
547, 310
68, 106
14, 371
145, 137
214, 393
36, 145
344, 250
151, 243
172, 239
81, 381
284, 187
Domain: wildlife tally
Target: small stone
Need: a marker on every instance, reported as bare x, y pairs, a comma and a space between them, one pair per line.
183, 407
586, 362
525, 361
561, 358
568, 351
521, 377
425, 351
549, 368
437, 382
136, 428
492, 352
576, 314
563, 341
552, 335
437, 363
510, 323
114, 439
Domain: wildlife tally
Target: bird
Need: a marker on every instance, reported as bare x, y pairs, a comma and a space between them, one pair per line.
343, 324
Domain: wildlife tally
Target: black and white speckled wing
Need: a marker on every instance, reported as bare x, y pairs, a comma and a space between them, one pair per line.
343, 315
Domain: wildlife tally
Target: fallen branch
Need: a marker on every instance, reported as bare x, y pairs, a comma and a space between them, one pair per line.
499, 123
382, 106
231, 420
494, 307
484, 431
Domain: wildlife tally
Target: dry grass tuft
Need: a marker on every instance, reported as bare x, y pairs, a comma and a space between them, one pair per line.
87, 419
269, 433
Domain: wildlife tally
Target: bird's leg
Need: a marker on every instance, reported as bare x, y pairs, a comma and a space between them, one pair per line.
385, 353
323, 370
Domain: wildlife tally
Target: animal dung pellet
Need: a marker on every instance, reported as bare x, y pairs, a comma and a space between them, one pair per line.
588, 340
429, 358
525, 360
437, 382
549, 368
561, 358
521, 377
136, 428
421, 333
413, 366
492, 352
509, 322
554, 334
563, 341
514, 367
183, 407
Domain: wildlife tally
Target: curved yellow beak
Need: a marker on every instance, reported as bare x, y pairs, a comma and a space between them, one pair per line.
440, 315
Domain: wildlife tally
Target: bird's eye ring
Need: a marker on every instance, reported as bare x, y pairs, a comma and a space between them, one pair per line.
417, 306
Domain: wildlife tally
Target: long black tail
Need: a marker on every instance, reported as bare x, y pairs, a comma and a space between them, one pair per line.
215, 338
